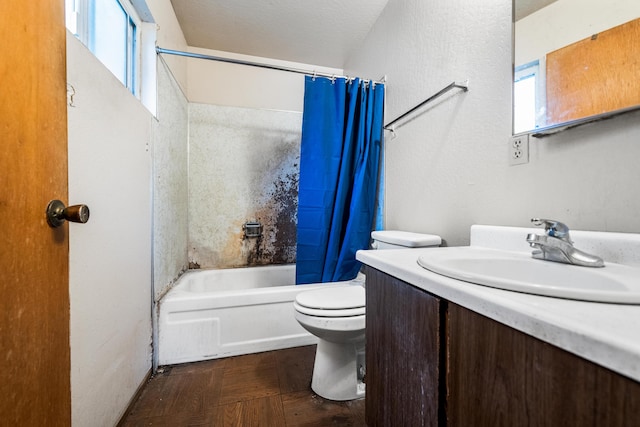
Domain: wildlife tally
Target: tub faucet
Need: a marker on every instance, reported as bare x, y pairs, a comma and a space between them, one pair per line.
556, 245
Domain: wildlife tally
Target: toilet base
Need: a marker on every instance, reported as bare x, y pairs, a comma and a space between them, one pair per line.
338, 370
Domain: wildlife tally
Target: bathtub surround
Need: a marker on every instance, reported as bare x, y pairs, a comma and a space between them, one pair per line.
170, 182
243, 167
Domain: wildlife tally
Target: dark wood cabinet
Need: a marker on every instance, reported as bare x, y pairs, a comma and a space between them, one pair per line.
477, 372
403, 354
497, 375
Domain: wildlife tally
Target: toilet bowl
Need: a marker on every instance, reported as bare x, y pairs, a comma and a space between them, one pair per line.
336, 316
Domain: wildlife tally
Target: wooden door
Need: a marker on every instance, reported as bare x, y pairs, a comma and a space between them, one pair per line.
34, 290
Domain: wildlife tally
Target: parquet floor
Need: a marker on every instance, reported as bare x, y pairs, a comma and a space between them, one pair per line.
264, 389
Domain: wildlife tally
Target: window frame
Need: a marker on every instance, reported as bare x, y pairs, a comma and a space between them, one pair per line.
82, 13
535, 70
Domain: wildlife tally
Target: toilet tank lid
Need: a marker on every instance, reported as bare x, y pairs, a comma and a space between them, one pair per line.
406, 238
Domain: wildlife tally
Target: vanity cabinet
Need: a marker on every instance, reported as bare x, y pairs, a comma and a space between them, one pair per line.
403, 354
497, 375
469, 370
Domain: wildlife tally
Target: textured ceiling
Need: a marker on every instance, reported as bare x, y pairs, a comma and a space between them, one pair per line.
322, 32
313, 32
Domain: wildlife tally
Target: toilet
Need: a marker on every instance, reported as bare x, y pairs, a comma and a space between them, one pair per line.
336, 315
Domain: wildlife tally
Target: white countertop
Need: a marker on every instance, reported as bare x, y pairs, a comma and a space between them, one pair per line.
606, 334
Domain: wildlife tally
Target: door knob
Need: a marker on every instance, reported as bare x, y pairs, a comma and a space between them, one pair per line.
57, 213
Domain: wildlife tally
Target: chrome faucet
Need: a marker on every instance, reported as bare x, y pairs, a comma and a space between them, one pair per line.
556, 245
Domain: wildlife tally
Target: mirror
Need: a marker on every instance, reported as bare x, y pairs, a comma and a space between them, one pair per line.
575, 61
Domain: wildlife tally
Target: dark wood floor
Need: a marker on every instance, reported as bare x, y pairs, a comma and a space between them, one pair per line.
264, 389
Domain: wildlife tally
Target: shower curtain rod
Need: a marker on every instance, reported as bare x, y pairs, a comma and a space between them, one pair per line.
257, 64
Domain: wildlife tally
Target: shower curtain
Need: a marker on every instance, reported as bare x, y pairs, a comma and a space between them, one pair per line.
339, 161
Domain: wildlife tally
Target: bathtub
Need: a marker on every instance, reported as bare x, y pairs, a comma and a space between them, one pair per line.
210, 314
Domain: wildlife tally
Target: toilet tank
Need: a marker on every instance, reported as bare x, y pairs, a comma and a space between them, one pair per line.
393, 239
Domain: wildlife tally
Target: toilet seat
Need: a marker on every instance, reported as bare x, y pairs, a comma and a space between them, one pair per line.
349, 312
343, 301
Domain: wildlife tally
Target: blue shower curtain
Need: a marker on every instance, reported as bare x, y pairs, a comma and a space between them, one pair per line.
339, 162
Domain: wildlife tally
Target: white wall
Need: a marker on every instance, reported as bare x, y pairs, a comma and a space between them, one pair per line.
220, 83
448, 168
112, 139
170, 36
110, 256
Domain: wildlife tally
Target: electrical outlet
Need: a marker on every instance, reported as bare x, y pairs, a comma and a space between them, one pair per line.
519, 150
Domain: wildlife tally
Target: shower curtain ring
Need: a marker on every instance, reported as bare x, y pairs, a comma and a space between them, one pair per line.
314, 76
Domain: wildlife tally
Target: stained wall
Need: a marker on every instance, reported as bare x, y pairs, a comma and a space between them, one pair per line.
243, 167
244, 142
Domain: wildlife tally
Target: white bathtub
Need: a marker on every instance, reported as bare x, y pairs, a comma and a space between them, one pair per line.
210, 314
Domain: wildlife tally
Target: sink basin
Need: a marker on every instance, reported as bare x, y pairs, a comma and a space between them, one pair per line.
516, 271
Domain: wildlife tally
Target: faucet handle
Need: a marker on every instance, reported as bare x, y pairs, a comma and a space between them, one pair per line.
553, 228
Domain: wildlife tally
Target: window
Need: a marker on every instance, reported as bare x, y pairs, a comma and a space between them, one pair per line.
110, 29
112, 38
524, 104
526, 98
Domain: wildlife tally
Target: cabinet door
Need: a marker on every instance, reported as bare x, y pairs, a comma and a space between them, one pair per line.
402, 353
497, 376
